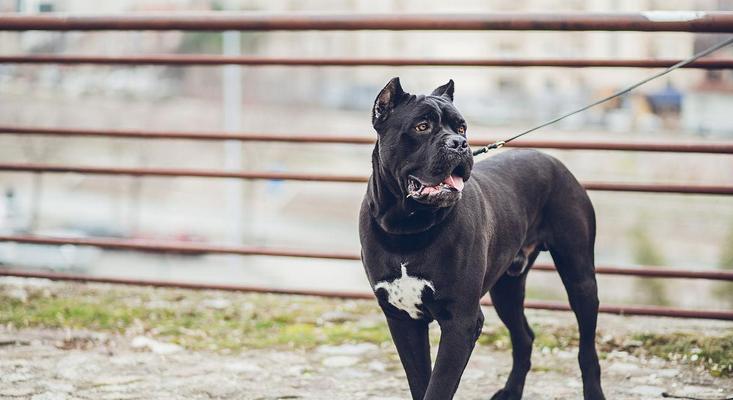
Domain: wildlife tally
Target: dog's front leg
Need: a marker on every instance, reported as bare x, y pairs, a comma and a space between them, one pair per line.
457, 339
410, 336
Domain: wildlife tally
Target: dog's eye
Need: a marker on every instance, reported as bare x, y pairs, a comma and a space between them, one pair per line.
422, 127
461, 130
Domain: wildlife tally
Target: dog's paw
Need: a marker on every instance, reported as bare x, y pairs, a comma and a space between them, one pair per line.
593, 393
504, 394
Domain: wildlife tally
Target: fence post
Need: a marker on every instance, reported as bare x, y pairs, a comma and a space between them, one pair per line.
232, 99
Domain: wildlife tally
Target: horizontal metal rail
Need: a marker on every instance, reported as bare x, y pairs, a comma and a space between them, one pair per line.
535, 304
178, 247
659, 188
654, 272
215, 60
292, 176
201, 248
710, 147
191, 173
682, 21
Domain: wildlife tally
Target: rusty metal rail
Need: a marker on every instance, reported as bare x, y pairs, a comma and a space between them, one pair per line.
181, 172
215, 60
535, 304
204, 248
295, 176
654, 272
185, 248
712, 22
707, 146
683, 21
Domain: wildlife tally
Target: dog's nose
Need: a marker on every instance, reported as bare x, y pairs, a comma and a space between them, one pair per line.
456, 142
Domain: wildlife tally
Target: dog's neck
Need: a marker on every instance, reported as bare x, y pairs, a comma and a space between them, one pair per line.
393, 212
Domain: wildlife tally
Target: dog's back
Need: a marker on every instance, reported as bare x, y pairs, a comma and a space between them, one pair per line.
531, 179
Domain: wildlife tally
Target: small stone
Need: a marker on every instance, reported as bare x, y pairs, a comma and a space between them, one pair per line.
566, 355
691, 390
17, 392
366, 322
353, 373
573, 383
50, 396
607, 339
77, 366
621, 368
217, 304
116, 380
221, 388
160, 304
646, 390
337, 316
119, 396
296, 370
348, 349
377, 366
115, 389
340, 361
59, 387
632, 343
473, 374
142, 342
16, 377
17, 293
242, 366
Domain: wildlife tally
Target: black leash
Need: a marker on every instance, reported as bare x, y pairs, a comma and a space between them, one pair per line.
622, 92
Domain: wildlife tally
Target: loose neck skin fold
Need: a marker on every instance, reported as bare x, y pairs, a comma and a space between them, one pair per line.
392, 211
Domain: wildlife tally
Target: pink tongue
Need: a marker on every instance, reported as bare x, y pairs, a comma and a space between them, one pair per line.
454, 182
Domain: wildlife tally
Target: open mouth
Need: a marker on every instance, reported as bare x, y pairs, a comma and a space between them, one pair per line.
453, 183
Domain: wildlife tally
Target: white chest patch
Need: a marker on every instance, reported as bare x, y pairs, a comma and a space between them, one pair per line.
405, 292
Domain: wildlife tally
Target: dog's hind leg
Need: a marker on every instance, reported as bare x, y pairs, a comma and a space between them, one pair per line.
571, 247
507, 296
413, 345
580, 282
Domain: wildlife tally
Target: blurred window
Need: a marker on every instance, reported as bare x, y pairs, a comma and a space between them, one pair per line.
45, 7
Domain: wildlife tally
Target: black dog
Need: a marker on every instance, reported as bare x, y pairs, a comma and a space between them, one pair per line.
432, 247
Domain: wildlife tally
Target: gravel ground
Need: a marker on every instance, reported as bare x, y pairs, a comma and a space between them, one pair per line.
37, 364
45, 364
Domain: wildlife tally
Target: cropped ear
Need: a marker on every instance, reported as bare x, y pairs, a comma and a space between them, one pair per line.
445, 90
387, 100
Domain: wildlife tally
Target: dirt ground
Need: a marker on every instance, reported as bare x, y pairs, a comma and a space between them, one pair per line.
33, 365
54, 364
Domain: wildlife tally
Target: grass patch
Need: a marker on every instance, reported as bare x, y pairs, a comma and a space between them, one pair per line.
555, 337
186, 318
715, 353
233, 322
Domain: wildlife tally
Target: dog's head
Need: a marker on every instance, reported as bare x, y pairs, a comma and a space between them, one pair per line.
422, 142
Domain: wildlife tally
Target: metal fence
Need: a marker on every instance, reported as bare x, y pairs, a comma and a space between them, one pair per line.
713, 22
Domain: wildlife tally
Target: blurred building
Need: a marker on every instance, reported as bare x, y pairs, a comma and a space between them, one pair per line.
488, 94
